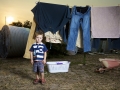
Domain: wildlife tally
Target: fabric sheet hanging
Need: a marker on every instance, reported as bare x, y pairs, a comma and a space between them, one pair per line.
105, 22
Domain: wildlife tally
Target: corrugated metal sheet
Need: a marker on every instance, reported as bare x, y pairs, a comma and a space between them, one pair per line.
13, 41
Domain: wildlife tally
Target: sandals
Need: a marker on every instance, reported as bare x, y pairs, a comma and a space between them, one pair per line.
36, 81
42, 81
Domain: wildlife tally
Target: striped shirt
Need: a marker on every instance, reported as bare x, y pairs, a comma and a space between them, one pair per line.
38, 51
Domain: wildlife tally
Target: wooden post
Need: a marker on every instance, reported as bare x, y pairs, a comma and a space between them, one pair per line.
84, 59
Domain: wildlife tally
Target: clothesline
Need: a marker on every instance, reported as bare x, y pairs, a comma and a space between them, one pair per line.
77, 5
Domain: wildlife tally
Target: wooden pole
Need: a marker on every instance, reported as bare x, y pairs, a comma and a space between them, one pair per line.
84, 59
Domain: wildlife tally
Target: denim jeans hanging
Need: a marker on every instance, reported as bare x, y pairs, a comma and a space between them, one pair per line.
79, 19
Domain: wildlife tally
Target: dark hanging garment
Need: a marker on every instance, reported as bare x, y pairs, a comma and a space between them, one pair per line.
50, 17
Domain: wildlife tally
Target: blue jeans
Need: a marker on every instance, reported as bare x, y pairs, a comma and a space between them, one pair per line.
79, 19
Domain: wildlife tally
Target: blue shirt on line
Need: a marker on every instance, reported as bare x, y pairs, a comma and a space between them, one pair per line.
38, 51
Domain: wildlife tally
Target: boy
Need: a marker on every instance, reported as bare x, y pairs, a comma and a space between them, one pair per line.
38, 54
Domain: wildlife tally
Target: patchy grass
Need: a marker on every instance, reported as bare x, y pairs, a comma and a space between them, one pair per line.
16, 74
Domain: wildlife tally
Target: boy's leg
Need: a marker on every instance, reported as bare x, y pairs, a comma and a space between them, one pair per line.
37, 74
35, 69
41, 70
36, 81
42, 78
42, 75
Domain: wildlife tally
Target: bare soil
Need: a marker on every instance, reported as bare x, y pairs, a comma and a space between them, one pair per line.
16, 74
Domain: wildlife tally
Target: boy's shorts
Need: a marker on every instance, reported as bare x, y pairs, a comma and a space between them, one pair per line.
38, 66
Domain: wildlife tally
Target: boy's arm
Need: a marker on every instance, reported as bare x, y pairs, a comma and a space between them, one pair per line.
45, 55
31, 57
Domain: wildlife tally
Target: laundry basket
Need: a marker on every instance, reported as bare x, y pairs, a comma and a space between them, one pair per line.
58, 66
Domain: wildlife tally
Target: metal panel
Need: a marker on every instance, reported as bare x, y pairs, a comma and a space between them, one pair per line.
13, 41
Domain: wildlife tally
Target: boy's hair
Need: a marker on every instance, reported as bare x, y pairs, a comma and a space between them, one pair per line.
40, 32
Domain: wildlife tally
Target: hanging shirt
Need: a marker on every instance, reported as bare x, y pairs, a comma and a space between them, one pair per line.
50, 17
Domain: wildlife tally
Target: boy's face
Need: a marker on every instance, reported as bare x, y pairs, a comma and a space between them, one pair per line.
39, 38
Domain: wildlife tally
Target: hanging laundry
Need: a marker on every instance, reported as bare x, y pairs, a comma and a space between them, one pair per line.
53, 38
50, 17
79, 41
105, 22
119, 20
115, 44
80, 18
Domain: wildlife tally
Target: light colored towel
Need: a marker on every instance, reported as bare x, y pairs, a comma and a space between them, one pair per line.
53, 38
30, 41
105, 22
79, 42
119, 21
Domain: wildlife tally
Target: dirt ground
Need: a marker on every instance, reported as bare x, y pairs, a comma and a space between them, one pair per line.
16, 74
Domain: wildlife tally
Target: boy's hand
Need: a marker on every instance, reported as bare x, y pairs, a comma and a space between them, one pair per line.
44, 61
32, 62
